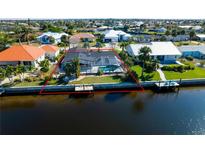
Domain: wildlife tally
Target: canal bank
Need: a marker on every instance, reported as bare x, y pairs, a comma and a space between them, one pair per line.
63, 89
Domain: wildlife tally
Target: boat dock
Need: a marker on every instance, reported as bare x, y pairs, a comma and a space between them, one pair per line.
84, 88
169, 85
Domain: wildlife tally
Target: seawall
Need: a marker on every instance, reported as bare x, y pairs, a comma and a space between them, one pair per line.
97, 87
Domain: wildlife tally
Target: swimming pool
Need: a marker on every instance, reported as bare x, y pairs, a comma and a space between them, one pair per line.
109, 68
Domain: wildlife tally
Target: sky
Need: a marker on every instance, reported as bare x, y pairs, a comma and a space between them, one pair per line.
150, 9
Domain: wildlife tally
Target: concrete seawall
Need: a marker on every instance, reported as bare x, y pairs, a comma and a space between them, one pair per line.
97, 87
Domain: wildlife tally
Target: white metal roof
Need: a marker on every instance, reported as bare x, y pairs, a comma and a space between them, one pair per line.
192, 48
158, 48
54, 35
200, 35
114, 33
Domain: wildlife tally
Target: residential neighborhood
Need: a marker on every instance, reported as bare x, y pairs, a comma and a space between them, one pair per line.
100, 50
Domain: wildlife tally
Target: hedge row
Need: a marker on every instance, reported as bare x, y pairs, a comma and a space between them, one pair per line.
178, 68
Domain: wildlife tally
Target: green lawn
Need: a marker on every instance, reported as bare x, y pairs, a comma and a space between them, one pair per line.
98, 79
196, 73
34, 83
148, 76
25, 83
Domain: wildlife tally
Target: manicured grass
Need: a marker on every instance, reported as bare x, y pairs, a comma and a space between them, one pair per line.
148, 76
25, 83
98, 79
196, 73
34, 83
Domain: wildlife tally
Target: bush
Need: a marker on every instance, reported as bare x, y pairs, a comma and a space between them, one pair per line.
100, 72
44, 69
178, 68
28, 79
190, 58
17, 80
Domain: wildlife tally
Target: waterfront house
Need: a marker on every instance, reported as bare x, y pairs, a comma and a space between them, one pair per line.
44, 38
51, 51
201, 37
93, 61
115, 36
165, 52
196, 51
22, 54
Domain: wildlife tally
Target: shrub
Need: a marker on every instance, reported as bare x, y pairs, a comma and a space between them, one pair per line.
100, 72
17, 80
190, 58
28, 79
44, 69
178, 68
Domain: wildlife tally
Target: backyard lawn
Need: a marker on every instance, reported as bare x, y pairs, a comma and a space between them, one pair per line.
98, 79
148, 76
196, 73
25, 83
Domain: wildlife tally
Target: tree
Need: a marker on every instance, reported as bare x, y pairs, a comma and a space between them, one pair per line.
68, 68
44, 65
73, 68
167, 33
192, 34
86, 45
21, 69
10, 72
51, 40
174, 32
65, 40
18, 31
123, 45
76, 64
2, 73
5, 41
144, 56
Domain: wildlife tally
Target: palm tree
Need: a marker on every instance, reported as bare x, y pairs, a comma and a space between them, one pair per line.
18, 31
86, 45
66, 40
44, 65
123, 45
10, 72
2, 73
21, 69
144, 56
192, 34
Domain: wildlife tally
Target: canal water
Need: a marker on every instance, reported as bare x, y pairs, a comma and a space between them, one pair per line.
116, 113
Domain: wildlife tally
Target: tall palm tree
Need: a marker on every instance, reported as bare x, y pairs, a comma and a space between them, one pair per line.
18, 31
144, 56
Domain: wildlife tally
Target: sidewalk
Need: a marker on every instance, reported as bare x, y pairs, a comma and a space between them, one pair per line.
161, 74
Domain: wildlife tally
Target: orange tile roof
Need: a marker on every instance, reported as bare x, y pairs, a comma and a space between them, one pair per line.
21, 53
50, 48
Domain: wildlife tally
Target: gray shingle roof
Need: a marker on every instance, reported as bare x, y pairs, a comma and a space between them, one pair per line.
94, 58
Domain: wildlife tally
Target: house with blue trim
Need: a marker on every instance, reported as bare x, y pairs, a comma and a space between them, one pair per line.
196, 51
44, 38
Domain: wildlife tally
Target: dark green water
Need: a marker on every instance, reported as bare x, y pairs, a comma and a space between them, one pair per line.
119, 113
